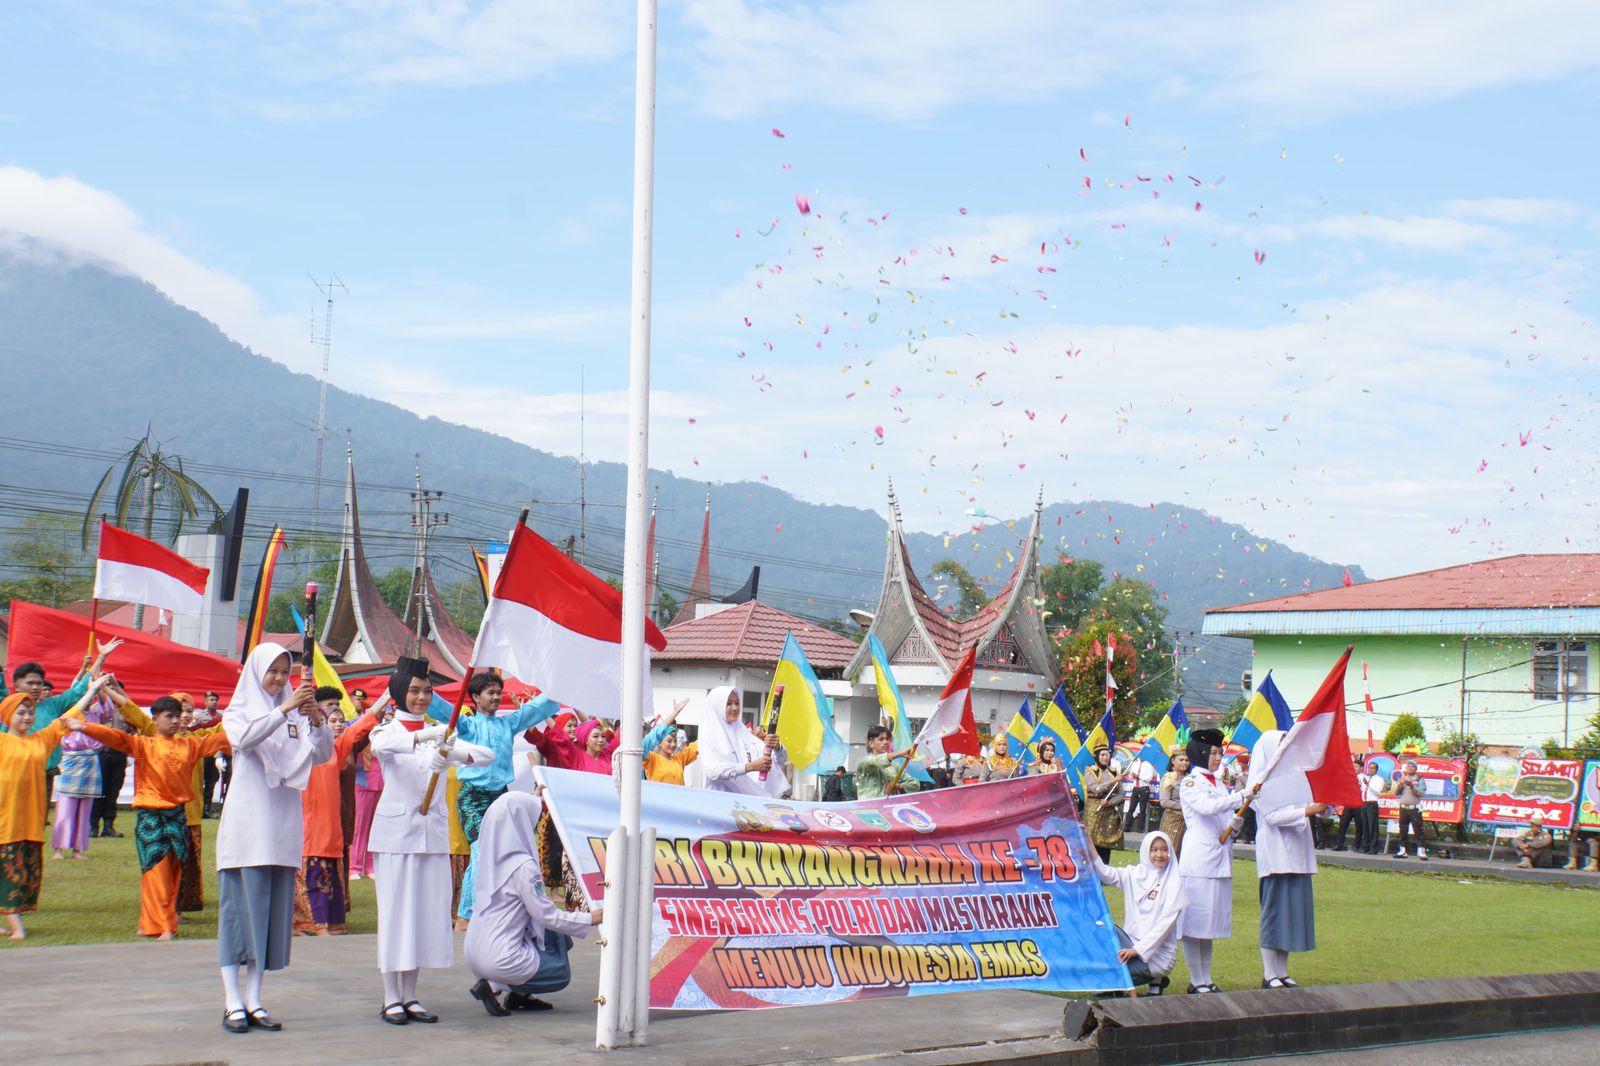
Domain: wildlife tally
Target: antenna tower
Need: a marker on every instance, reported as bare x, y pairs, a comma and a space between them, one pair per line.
583, 498
326, 341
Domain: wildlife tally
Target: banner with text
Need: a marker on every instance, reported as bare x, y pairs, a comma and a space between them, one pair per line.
1443, 783
1589, 797
1510, 790
776, 903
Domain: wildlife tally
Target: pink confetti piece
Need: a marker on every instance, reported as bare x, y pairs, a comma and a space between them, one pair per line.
1083, 155
776, 132
1261, 257
1127, 120
803, 203
963, 210
1524, 438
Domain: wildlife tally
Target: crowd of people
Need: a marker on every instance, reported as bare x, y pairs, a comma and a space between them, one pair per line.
312, 796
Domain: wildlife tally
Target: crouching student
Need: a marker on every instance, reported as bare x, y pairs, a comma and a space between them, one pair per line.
162, 789
515, 943
1153, 899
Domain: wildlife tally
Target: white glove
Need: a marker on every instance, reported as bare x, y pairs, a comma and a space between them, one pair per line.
1236, 826
430, 734
439, 761
459, 757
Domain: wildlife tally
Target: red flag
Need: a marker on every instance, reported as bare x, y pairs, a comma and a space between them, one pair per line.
553, 624
1319, 743
1348, 580
951, 729
136, 570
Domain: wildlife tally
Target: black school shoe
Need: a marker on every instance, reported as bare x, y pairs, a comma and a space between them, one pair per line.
236, 1021
260, 1019
394, 1014
518, 1001
491, 1002
418, 1013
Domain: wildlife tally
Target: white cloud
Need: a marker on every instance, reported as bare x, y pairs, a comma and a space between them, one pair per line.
1419, 232
79, 221
904, 58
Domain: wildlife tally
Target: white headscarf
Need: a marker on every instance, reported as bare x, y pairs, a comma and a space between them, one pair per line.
507, 841
1146, 875
280, 753
722, 741
1286, 787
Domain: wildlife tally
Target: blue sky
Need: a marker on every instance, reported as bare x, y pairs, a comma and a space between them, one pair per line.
1324, 271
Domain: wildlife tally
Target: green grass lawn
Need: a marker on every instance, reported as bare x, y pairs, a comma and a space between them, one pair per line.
1381, 925
96, 900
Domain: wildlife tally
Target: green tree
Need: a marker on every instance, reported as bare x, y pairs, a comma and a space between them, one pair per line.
1071, 591
152, 486
1233, 715
845, 628
1136, 612
666, 607
1083, 675
45, 562
1405, 727
972, 597
395, 588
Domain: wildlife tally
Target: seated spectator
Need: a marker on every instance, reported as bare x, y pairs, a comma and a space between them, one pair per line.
1535, 845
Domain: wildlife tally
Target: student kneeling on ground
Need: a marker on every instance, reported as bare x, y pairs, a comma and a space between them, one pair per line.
1153, 898
516, 941
1535, 845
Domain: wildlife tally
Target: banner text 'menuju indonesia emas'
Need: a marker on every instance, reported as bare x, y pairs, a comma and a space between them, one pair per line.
775, 903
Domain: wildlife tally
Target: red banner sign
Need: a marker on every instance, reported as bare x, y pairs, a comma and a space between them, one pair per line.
1443, 783
1511, 790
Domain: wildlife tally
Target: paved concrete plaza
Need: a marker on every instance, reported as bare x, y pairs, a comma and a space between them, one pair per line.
142, 1004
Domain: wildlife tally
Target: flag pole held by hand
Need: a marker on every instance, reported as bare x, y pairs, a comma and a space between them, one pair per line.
449, 735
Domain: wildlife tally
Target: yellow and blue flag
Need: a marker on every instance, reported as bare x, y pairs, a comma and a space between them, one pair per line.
1103, 735
805, 724
1174, 729
892, 707
1052, 725
1064, 705
1267, 710
1019, 731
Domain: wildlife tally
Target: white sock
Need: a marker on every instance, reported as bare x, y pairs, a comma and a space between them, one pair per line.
230, 988
391, 987
252, 986
1197, 954
1274, 963
408, 985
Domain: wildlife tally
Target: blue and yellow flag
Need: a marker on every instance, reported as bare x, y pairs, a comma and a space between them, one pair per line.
892, 707
1019, 731
1103, 735
1064, 705
1267, 710
1052, 725
1174, 729
322, 672
805, 721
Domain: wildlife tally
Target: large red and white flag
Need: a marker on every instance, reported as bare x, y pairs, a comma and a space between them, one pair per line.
552, 623
950, 729
1319, 744
136, 570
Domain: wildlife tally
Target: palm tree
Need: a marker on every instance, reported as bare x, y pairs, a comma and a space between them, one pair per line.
154, 487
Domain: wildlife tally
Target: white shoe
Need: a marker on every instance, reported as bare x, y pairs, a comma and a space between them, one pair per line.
1422, 853
1400, 854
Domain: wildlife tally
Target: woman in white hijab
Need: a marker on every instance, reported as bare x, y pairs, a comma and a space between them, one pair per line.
276, 736
1285, 860
510, 911
735, 759
1153, 898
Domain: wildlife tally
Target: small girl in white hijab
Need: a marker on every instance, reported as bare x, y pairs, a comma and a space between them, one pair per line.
1153, 898
510, 911
735, 759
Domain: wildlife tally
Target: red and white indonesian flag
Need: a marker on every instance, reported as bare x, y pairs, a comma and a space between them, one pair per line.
136, 570
1319, 744
553, 624
950, 729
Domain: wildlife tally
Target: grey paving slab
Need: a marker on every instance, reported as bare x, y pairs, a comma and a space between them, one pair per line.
1561, 1047
148, 1004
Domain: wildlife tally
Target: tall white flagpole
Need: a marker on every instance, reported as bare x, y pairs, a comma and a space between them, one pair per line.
624, 1012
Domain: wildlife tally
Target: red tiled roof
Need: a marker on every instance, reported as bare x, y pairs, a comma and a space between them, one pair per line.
752, 633
1512, 582
955, 637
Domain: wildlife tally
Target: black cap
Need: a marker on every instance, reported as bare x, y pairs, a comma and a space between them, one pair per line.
400, 681
1201, 741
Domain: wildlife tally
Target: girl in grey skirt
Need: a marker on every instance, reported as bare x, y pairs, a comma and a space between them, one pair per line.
1286, 860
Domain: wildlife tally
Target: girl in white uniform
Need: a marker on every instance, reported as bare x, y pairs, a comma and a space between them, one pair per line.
1153, 900
274, 745
735, 758
1285, 861
411, 850
1206, 864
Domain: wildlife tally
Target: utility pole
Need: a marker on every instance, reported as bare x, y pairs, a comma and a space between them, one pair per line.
423, 522
583, 464
326, 341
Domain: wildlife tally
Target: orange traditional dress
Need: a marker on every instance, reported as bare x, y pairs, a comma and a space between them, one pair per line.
322, 897
22, 805
668, 769
163, 784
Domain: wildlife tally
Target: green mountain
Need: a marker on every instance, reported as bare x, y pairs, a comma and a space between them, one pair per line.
92, 356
